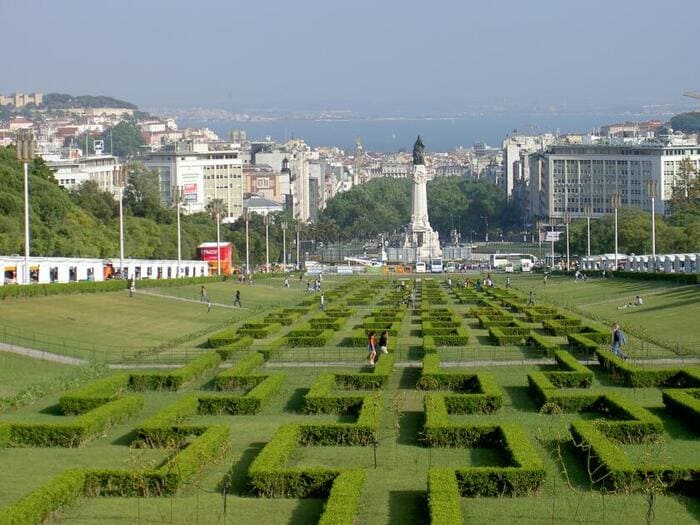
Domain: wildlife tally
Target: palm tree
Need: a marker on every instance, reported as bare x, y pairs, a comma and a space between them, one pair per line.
215, 207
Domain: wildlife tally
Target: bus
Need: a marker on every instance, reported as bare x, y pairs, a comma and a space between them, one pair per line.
522, 262
436, 265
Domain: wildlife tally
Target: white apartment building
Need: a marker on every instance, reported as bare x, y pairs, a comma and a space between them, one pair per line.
201, 173
514, 148
292, 160
71, 173
574, 177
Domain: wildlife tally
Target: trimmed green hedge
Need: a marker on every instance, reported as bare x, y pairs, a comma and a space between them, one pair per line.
227, 350
77, 432
443, 497
175, 379
344, 499
269, 478
616, 473
37, 506
304, 338
94, 394
685, 405
635, 376
250, 403
167, 426
258, 330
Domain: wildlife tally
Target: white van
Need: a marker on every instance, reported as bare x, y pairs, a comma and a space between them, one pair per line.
420, 267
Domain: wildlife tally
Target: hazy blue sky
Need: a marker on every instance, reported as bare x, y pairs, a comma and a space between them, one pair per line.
363, 54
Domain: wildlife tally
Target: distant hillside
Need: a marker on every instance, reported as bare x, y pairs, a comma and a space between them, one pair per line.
86, 223
686, 122
64, 101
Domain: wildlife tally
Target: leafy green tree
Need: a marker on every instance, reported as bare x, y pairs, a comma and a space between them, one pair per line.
101, 204
125, 138
686, 122
142, 194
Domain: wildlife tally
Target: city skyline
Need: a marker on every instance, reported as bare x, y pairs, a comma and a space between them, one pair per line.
388, 57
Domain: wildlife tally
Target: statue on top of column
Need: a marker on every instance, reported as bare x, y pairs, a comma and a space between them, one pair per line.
418, 148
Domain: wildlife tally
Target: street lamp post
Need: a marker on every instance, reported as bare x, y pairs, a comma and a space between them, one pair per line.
651, 190
178, 203
552, 239
266, 220
567, 219
589, 212
246, 218
297, 227
25, 153
121, 182
284, 245
615, 201
218, 242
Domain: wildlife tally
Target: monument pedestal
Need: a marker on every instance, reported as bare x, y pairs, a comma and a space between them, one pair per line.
420, 237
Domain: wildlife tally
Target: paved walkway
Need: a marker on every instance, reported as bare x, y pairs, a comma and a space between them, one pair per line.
66, 360
40, 354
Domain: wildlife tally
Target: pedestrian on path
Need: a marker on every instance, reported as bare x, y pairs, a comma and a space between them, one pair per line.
618, 339
286, 282
531, 298
383, 343
208, 306
237, 300
371, 350
322, 303
203, 295
132, 287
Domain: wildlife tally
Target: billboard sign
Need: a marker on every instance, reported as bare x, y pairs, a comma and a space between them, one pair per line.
552, 236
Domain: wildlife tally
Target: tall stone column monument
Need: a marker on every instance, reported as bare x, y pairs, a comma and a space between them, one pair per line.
420, 237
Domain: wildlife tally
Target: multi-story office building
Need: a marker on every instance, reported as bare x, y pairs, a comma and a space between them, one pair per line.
201, 173
72, 172
574, 177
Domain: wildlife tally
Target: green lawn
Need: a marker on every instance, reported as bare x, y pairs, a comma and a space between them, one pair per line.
18, 373
663, 317
113, 326
395, 490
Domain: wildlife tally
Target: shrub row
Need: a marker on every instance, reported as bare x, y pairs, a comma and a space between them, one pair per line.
361, 433
37, 506
525, 472
77, 432
258, 330
635, 376
443, 497
327, 323
508, 335
113, 285
249, 403
269, 478
573, 375
432, 342
307, 338
542, 343
94, 394
615, 472
685, 405
208, 446
378, 378
240, 345
175, 379
167, 426
524, 477
344, 499
240, 375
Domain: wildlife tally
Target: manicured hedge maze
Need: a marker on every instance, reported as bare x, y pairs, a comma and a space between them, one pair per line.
469, 410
